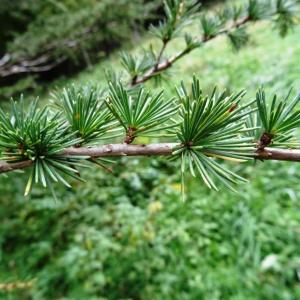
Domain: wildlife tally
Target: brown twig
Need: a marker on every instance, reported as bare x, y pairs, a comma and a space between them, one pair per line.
159, 67
161, 149
44, 61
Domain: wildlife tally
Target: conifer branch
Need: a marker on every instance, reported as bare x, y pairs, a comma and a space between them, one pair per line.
7, 167
278, 154
214, 27
168, 63
159, 149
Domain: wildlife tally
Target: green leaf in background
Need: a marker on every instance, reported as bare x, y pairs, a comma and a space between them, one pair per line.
238, 38
287, 16
179, 14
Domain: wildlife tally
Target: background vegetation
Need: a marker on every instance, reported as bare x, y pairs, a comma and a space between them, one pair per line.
38, 38
127, 235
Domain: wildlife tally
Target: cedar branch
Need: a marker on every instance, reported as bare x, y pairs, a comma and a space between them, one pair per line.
167, 63
161, 149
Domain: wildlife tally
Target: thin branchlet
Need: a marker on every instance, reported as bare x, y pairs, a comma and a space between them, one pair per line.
229, 22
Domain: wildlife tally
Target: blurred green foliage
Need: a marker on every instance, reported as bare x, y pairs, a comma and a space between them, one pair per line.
37, 30
53, 22
127, 235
